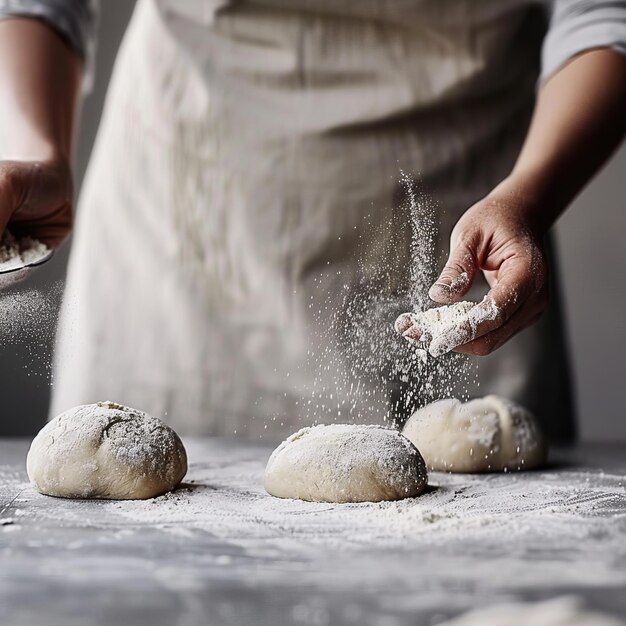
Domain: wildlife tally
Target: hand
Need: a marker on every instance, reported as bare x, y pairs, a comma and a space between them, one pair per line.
36, 199
499, 237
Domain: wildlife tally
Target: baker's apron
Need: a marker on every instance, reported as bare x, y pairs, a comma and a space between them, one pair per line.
245, 185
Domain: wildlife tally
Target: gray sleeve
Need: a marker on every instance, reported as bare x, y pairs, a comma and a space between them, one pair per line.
579, 25
74, 20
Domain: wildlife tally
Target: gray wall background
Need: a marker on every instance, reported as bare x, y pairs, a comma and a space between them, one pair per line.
593, 267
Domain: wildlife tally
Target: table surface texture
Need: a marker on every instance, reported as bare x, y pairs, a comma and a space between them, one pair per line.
220, 551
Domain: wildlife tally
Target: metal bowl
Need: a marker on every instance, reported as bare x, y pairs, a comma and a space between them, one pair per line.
16, 275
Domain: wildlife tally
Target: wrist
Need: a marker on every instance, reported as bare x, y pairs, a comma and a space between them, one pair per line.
34, 154
528, 197
23, 142
26, 136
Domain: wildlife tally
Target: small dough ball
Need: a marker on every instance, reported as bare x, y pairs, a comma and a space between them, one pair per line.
106, 450
490, 434
346, 463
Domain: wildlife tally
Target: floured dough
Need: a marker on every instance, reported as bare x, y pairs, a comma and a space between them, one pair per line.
490, 434
106, 450
346, 463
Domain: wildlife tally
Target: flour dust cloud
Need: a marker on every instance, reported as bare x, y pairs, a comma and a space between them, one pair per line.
364, 370
28, 321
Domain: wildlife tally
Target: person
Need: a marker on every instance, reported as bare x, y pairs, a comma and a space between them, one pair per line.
248, 155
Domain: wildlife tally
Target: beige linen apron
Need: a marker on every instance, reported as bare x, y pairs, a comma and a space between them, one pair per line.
247, 162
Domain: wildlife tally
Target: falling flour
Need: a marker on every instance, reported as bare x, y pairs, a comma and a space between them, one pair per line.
28, 321
28, 316
364, 370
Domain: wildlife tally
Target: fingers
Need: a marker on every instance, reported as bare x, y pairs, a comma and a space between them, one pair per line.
513, 291
480, 317
403, 323
36, 200
458, 274
405, 326
503, 313
413, 334
52, 230
8, 196
492, 341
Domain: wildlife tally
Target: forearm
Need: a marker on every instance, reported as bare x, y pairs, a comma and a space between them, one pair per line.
579, 120
39, 92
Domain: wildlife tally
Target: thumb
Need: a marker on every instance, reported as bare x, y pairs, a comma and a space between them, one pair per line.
8, 200
457, 276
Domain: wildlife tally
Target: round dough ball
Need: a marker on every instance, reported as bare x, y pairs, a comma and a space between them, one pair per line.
490, 434
346, 463
106, 450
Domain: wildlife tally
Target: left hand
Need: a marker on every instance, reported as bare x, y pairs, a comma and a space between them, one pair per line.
36, 199
498, 237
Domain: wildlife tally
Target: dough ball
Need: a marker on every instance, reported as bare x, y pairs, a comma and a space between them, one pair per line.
490, 434
346, 463
106, 450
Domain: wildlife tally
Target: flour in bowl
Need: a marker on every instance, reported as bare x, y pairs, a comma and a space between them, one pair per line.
18, 252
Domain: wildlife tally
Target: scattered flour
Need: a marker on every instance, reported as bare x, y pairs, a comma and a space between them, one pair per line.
468, 541
28, 321
225, 496
365, 371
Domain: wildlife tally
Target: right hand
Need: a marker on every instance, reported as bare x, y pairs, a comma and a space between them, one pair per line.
500, 237
36, 199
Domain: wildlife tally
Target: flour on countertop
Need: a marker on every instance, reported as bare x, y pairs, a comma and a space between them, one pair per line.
226, 498
468, 540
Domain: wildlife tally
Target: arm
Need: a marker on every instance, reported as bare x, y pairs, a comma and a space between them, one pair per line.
39, 86
579, 119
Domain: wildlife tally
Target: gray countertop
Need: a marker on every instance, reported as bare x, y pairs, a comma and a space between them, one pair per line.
221, 551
